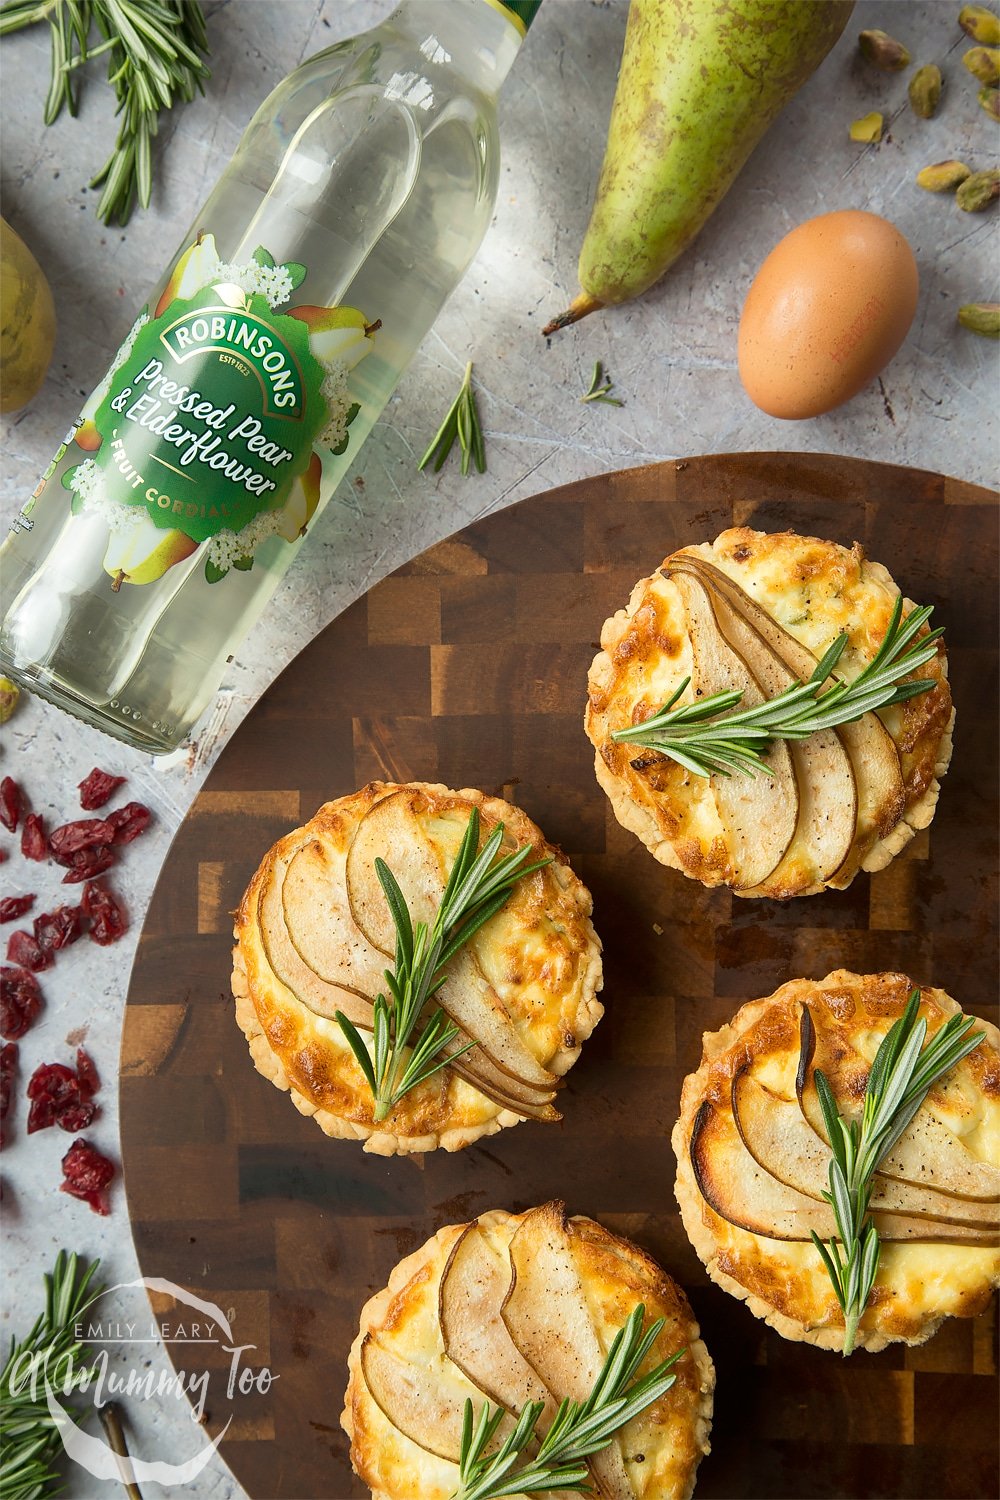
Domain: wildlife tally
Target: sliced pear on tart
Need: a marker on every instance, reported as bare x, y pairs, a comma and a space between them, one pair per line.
753, 1163
875, 759
547, 1316
424, 1401
474, 1284
828, 799
927, 1154
466, 996
782, 1142
325, 999
759, 812
302, 960
737, 1188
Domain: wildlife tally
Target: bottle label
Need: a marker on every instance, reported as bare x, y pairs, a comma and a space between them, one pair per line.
211, 427
520, 12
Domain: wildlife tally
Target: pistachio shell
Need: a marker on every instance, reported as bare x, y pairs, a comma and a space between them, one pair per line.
979, 23
978, 192
943, 176
925, 90
883, 51
982, 318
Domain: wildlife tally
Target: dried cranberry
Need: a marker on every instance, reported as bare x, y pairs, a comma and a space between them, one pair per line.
86, 1175
34, 844
8, 1068
12, 907
85, 833
87, 863
57, 929
61, 1097
129, 822
107, 920
10, 803
22, 949
96, 788
74, 1117
52, 1088
20, 1002
86, 1074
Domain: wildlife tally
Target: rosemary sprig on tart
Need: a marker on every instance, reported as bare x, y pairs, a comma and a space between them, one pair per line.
901, 1076
478, 886
577, 1431
713, 736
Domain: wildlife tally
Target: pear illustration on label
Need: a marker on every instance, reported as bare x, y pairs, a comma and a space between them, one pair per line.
208, 431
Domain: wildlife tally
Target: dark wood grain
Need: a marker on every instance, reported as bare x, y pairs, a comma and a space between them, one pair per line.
468, 667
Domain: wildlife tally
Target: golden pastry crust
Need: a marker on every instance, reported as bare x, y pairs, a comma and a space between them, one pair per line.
540, 954
783, 1281
671, 1436
814, 590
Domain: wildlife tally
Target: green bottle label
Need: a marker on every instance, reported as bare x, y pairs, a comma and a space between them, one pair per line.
521, 12
211, 428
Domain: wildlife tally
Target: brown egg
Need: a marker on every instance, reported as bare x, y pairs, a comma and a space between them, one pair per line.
825, 313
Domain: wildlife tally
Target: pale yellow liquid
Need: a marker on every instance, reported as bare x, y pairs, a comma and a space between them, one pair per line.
375, 164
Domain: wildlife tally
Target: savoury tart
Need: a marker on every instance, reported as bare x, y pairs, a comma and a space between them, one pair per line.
753, 1163
755, 612
314, 936
514, 1308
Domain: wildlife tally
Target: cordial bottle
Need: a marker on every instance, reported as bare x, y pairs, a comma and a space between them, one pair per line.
243, 390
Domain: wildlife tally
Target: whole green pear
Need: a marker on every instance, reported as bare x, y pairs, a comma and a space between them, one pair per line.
699, 84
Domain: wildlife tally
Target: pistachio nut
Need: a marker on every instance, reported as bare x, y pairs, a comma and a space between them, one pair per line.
925, 90
990, 101
979, 23
868, 129
884, 51
983, 63
982, 318
943, 176
978, 192
9, 694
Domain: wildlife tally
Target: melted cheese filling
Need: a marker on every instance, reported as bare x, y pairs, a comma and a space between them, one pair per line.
658, 1447
536, 953
915, 1281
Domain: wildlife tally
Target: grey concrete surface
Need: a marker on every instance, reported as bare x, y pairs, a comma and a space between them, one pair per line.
672, 357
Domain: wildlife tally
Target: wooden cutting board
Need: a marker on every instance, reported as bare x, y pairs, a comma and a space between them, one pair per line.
468, 667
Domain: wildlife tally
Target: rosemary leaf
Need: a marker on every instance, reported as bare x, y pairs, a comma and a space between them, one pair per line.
407, 1045
714, 737
30, 1444
462, 422
600, 388
577, 1430
155, 51
900, 1077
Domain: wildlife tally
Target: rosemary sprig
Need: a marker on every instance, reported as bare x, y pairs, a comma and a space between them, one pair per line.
707, 738
476, 890
601, 386
29, 1439
577, 1430
900, 1079
462, 422
154, 50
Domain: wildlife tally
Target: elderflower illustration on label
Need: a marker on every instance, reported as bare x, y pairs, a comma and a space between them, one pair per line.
207, 434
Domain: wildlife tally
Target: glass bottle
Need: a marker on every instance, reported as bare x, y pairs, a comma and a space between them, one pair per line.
354, 203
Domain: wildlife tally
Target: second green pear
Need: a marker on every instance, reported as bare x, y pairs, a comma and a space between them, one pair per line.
699, 84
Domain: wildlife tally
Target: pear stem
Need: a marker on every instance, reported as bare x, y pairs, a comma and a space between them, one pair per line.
581, 306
